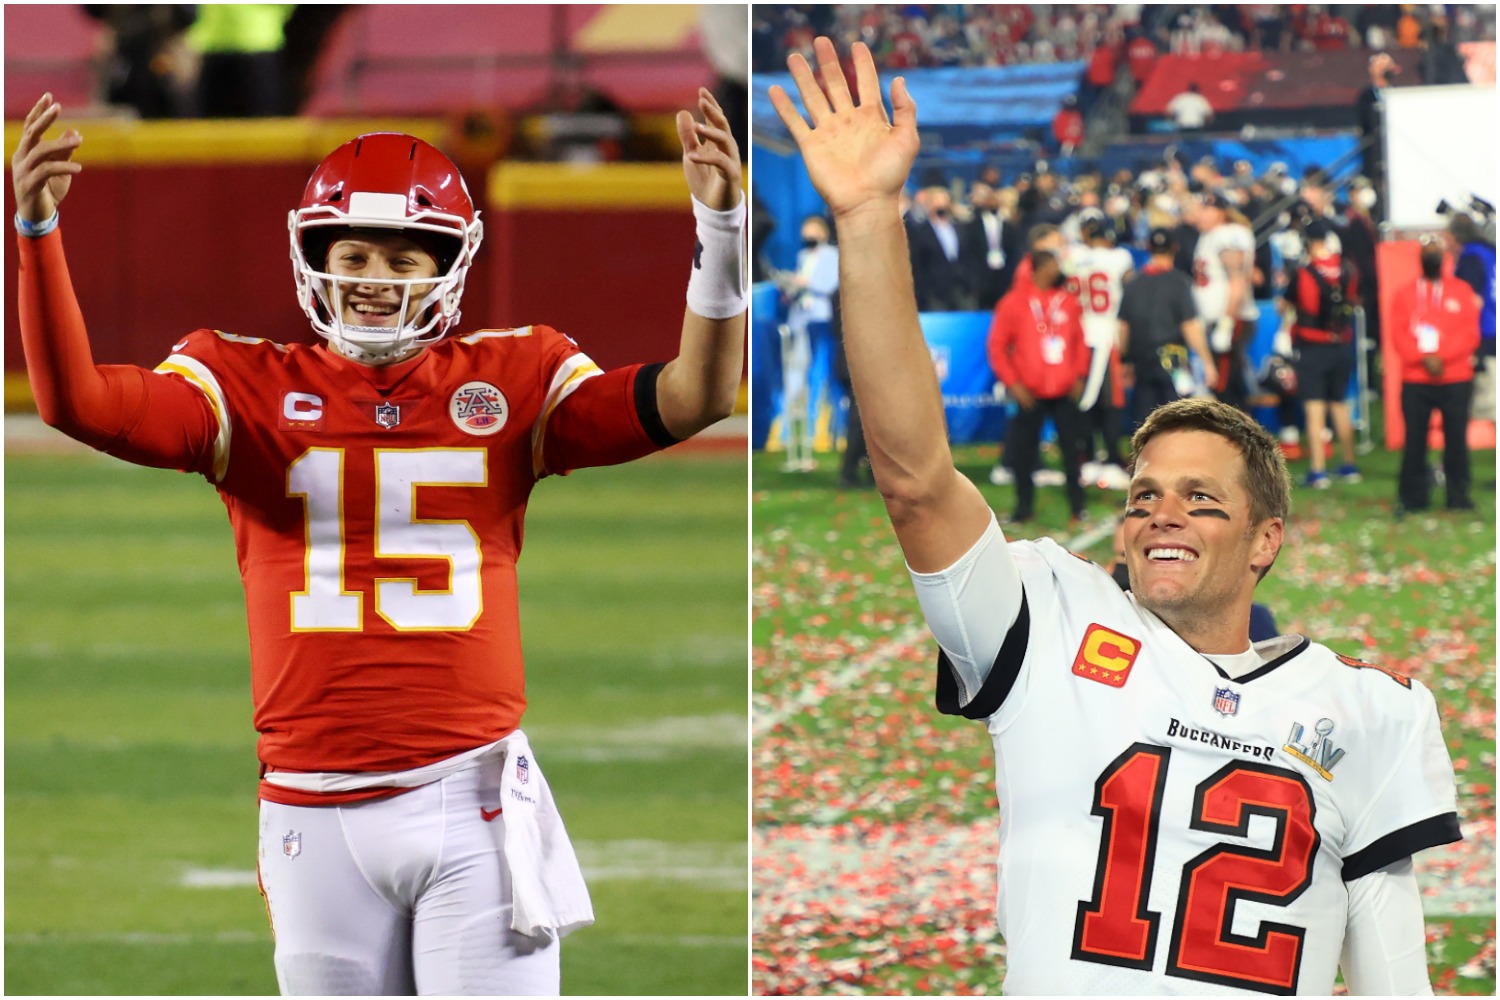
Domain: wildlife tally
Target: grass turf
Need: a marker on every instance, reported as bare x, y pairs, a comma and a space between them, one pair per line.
130, 757
871, 809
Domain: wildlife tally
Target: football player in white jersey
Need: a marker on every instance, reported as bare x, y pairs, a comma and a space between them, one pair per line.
1222, 265
1181, 811
1100, 270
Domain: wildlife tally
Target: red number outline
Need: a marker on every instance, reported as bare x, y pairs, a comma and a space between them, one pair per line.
1118, 930
1131, 847
1220, 877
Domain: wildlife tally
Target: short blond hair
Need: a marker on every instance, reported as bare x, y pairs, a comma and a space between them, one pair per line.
1266, 478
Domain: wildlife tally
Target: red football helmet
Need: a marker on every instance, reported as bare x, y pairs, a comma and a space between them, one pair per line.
385, 180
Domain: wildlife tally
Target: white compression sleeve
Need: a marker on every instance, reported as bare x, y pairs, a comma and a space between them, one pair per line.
1385, 942
971, 605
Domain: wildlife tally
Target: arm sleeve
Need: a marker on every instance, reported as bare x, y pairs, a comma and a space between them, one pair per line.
140, 416
605, 419
1385, 941
975, 608
998, 344
1403, 340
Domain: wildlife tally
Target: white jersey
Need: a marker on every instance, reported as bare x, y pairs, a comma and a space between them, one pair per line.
1165, 829
1211, 277
1098, 280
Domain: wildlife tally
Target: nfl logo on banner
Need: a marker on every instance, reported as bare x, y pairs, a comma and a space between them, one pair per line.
291, 844
387, 415
523, 769
1226, 702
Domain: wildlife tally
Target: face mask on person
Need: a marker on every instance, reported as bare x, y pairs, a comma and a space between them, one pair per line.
1365, 198
1432, 266
808, 242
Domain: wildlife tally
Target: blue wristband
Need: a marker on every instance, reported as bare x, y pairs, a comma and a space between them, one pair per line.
36, 230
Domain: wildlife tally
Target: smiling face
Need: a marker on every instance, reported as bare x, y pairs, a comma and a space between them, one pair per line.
375, 259
1192, 547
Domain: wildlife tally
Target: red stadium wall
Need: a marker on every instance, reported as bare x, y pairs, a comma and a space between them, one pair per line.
174, 226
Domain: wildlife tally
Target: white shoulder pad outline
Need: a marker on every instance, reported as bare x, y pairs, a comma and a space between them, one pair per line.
198, 374
570, 374
478, 335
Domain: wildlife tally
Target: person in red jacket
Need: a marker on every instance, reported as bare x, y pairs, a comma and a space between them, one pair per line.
1067, 126
1435, 332
1036, 348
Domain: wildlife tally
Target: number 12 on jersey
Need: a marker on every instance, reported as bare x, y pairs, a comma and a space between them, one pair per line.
1116, 928
318, 478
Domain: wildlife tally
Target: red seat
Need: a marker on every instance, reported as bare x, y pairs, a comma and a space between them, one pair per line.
49, 47
403, 60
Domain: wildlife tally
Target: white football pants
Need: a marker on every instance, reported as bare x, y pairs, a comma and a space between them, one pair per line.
399, 896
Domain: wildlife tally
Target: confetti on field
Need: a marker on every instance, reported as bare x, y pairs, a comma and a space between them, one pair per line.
876, 826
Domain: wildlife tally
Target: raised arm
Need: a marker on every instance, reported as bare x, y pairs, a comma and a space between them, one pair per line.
698, 387
127, 411
858, 160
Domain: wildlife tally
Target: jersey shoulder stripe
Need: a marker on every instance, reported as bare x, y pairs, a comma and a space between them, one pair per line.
478, 335
197, 374
570, 374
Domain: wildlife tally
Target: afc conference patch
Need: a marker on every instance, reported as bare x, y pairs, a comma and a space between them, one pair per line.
478, 408
1226, 702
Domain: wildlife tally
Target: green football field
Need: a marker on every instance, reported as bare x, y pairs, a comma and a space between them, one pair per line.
130, 768
875, 817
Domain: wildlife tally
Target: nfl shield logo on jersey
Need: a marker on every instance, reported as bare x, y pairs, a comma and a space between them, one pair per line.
291, 844
387, 415
523, 769
1226, 702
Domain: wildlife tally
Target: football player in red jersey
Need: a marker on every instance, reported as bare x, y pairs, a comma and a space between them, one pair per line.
376, 485
1221, 816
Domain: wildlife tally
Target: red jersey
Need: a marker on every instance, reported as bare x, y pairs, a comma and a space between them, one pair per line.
1036, 341
1435, 317
377, 516
377, 511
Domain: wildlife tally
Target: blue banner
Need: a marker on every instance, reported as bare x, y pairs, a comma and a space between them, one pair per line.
955, 340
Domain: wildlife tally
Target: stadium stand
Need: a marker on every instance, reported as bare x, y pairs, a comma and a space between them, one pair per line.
49, 47
399, 59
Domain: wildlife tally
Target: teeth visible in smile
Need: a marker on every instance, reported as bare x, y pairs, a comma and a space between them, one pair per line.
373, 310
1162, 555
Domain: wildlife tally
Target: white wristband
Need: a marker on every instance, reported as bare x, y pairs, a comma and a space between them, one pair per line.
716, 288
36, 230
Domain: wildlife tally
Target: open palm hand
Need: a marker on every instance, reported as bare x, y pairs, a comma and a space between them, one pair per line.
855, 155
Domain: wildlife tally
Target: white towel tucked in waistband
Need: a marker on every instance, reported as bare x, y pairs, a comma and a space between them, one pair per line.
550, 898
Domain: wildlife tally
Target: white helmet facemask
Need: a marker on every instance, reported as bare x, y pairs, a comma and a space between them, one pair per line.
323, 295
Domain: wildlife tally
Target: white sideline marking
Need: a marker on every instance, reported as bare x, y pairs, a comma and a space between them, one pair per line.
706, 864
217, 878
264, 937
140, 937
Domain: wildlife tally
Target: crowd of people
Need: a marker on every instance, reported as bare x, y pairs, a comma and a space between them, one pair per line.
1082, 324
902, 36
